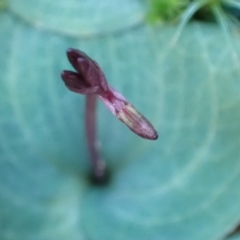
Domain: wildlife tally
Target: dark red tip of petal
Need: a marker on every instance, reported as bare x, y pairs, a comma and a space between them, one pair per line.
155, 137
69, 77
74, 80
147, 135
66, 75
73, 56
83, 65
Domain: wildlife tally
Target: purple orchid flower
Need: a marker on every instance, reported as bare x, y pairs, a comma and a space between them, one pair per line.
89, 79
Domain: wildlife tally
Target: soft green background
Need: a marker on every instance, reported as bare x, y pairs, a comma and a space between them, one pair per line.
186, 185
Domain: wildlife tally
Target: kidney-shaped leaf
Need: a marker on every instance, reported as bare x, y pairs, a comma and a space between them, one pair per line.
183, 186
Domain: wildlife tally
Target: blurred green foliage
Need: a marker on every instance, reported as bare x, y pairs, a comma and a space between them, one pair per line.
166, 10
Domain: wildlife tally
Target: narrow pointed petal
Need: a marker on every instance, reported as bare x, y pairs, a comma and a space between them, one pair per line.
102, 79
74, 80
73, 56
137, 122
92, 73
134, 120
69, 75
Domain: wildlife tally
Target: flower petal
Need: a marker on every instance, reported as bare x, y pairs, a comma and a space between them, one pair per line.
74, 80
92, 73
73, 55
126, 113
137, 122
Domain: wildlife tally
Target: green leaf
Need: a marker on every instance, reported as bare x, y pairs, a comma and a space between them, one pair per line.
183, 186
80, 17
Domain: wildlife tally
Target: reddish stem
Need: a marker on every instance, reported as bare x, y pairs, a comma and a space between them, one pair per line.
98, 165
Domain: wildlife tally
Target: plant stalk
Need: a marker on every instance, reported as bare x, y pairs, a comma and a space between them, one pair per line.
98, 165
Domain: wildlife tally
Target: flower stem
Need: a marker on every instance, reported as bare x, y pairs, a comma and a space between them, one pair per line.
98, 165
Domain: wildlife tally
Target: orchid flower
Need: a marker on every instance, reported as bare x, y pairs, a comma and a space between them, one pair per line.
90, 80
